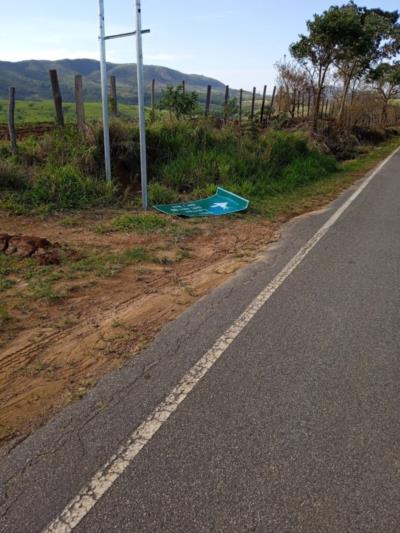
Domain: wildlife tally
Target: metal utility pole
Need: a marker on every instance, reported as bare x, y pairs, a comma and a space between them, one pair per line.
142, 123
104, 94
104, 97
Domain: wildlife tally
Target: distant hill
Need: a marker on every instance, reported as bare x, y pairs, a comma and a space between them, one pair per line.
31, 79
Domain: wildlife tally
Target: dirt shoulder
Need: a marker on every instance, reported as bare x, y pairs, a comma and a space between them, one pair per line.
64, 326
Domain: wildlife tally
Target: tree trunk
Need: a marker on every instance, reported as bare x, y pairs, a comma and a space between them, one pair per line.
317, 99
343, 100
317, 103
345, 93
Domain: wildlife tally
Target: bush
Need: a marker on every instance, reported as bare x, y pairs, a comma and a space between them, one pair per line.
178, 102
342, 144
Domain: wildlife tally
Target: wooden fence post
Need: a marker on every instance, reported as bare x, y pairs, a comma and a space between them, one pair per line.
253, 102
240, 105
226, 103
79, 103
153, 97
208, 101
113, 96
271, 107
11, 120
263, 103
55, 86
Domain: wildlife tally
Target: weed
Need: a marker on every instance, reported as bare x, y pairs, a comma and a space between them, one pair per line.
183, 253
136, 255
4, 315
160, 194
6, 284
71, 222
44, 290
140, 223
105, 265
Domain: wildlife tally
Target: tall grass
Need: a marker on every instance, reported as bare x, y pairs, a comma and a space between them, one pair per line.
64, 169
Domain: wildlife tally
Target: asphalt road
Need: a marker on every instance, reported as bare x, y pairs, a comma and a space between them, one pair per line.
294, 428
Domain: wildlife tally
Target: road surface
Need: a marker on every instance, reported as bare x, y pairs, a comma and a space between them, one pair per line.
272, 405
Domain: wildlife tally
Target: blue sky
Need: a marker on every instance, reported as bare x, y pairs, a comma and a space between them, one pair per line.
234, 41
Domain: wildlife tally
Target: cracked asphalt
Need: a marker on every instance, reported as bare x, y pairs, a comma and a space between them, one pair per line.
296, 427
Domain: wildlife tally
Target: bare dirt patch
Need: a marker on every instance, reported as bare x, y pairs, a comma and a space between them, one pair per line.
63, 326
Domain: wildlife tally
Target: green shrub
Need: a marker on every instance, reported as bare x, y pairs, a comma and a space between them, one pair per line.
178, 102
66, 188
312, 168
142, 223
284, 148
12, 175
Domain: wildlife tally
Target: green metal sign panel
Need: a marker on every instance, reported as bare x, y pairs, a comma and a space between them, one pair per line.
222, 203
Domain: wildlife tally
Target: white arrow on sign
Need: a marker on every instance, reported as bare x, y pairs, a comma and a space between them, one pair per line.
222, 205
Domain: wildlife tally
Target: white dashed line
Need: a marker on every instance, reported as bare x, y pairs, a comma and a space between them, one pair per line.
87, 498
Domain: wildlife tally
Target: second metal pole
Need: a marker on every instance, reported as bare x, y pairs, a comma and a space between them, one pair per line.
142, 123
104, 96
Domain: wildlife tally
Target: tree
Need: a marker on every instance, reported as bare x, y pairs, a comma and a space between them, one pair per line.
385, 79
179, 102
348, 37
373, 36
291, 79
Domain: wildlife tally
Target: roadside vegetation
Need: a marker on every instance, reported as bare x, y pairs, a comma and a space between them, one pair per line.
63, 169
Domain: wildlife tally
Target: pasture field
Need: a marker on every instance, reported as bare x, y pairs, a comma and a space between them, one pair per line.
36, 112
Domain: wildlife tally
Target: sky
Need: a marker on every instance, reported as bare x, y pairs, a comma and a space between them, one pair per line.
234, 41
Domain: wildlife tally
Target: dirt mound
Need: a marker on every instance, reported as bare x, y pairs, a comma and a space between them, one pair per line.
44, 251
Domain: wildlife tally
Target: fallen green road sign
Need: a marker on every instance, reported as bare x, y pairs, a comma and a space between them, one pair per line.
222, 203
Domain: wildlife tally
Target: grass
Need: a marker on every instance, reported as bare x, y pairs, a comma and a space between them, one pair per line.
63, 169
42, 111
52, 284
138, 223
314, 194
6, 284
45, 290
187, 160
109, 264
71, 222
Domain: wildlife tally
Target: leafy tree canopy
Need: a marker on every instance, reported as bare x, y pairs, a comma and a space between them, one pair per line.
178, 102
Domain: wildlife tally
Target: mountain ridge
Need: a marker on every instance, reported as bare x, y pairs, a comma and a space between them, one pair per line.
31, 80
